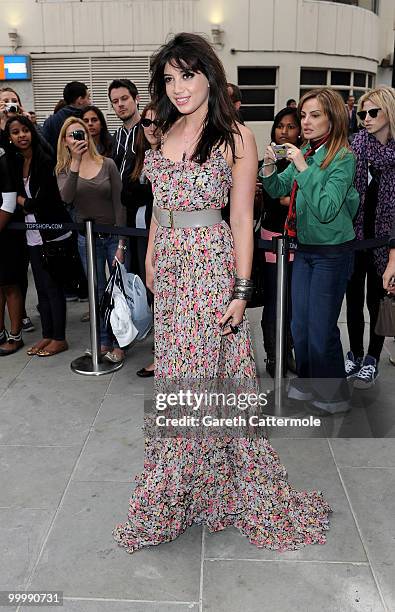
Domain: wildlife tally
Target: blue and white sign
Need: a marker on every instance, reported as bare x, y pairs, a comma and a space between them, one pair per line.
14, 68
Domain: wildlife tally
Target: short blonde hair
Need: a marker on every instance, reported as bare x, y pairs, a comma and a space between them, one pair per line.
64, 155
384, 98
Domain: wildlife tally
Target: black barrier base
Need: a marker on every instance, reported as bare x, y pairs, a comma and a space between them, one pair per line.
84, 365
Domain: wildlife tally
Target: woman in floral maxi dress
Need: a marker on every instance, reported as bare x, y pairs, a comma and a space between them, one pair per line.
201, 332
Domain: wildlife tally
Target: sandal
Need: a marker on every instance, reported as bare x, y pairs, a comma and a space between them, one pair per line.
113, 357
39, 346
16, 343
45, 352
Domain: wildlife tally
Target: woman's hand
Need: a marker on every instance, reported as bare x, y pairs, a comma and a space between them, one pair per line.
149, 275
233, 316
269, 159
20, 200
295, 155
77, 149
390, 273
120, 255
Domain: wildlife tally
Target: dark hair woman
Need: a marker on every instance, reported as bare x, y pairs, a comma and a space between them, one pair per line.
374, 146
322, 206
199, 269
39, 198
12, 263
286, 128
148, 137
97, 127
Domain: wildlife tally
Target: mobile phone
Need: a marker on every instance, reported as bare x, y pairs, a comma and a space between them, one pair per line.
78, 134
280, 151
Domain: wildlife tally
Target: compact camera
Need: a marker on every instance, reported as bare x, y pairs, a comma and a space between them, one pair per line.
280, 151
78, 134
12, 107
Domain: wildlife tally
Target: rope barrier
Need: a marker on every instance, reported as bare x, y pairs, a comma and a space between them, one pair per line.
266, 245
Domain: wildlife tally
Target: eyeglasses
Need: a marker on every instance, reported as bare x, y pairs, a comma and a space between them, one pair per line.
148, 122
372, 112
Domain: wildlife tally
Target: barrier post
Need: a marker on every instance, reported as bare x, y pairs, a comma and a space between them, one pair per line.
92, 365
282, 260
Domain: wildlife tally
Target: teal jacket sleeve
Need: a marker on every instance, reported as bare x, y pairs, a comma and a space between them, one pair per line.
279, 185
325, 199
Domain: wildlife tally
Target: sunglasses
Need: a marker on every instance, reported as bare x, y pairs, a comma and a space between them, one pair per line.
148, 122
373, 112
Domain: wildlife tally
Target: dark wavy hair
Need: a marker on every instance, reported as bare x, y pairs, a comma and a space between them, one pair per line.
191, 52
141, 145
104, 136
288, 110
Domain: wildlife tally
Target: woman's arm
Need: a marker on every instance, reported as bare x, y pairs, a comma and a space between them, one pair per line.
242, 195
149, 258
67, 181
119, 210
325, 200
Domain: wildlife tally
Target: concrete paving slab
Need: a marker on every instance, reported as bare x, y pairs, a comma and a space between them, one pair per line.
310, 467
82, 559
231, 586
371, 494
35, 476
35, 413
364, 452
97, 605
115, 447
22, 531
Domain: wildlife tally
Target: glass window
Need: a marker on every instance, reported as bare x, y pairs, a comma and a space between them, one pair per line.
258, 90
340, 77
256, 76
360, 79
258, 96
257, 113
370, 5
312, 76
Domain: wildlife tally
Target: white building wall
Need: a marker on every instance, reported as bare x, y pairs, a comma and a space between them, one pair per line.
284, 33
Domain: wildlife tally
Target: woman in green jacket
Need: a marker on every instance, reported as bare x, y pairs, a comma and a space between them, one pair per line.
321, 211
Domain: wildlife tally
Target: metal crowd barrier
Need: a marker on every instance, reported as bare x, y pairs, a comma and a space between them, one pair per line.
93, 365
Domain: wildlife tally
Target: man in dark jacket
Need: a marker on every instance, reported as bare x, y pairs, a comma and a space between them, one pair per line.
76, 96
124, 99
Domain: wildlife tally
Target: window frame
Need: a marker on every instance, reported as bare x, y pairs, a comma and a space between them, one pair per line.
273, 88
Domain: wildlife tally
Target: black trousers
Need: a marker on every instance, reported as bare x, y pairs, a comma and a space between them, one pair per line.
51, 298
364, 271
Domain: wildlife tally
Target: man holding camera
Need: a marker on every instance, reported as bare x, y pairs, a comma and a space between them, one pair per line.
76, 96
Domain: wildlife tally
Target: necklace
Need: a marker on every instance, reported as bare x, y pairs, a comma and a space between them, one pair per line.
190, 141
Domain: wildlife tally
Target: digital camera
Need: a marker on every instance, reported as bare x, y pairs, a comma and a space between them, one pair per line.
280, 151
12, 107
78, 134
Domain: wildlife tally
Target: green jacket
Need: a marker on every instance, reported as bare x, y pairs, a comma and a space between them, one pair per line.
326, 200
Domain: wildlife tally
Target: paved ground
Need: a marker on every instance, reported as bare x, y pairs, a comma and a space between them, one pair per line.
70, 446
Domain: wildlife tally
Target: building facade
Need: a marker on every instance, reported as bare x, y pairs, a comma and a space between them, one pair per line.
273, 49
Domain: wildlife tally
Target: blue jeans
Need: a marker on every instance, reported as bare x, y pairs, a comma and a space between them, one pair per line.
105, 253
319, 282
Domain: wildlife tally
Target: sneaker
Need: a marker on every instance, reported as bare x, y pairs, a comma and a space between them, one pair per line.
298, 390
71, 297
27, 325
352, 365
321, 408
367, 374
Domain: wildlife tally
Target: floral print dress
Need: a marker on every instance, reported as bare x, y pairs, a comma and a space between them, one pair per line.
218, 481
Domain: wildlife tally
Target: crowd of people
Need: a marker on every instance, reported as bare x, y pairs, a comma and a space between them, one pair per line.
326, 178
173, 170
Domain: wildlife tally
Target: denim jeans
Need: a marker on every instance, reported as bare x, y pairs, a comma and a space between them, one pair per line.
319, 282
105, 253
